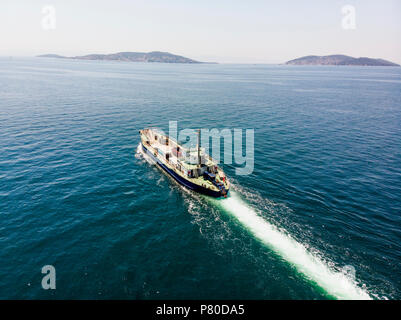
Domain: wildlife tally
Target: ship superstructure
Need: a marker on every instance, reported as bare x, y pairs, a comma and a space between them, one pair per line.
191, 167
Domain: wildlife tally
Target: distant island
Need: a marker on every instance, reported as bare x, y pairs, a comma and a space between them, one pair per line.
154, 56
341, 60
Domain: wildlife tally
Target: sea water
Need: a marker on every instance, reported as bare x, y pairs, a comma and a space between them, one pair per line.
76, 192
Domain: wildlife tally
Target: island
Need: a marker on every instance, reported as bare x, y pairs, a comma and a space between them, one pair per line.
51, 56
154, 56
341, 60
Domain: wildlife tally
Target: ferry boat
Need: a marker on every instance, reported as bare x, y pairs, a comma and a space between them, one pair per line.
190, 167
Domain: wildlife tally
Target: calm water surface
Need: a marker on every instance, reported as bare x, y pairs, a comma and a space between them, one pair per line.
324, 196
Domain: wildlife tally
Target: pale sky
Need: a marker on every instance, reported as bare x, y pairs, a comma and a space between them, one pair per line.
226, 31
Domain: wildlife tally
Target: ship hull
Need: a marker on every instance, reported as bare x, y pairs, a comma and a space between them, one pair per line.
187, 184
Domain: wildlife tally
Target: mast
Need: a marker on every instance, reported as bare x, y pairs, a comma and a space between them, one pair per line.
199, 157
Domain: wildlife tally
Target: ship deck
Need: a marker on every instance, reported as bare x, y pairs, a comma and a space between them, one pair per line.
173, 161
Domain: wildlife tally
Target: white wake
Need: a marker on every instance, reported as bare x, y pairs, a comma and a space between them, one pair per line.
141, 154
335, 283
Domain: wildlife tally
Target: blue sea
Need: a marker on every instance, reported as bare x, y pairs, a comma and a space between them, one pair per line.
318, 218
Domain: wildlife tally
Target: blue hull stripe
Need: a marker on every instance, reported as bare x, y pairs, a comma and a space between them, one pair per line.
180, 179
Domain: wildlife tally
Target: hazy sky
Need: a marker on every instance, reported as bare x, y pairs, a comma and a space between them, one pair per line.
219, 30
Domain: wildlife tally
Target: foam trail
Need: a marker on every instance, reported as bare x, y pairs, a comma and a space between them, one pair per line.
333, 282
140, 153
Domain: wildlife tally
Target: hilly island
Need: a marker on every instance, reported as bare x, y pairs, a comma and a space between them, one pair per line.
154, 56
341, 60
